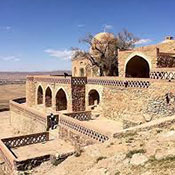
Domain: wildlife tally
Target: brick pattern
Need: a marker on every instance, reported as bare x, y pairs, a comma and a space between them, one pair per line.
79, 80
51, 79
78, 93
82, 116
26, 140
87, 131
121, 83
162, 75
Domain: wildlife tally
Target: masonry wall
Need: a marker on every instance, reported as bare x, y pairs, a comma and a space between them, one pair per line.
150, 55
134, 103
55, 87
80, 63
30, 91
25, 121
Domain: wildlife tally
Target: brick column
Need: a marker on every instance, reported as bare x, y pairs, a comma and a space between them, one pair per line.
78, 93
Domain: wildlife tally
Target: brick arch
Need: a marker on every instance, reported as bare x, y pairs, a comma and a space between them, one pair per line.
61, 100
93, 97
40, 94
48, 97
137, 65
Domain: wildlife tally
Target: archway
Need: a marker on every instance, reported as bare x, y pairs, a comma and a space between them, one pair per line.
61, 100
40, 95
75, 71
94, 97
137, 67
81, 72
48, 97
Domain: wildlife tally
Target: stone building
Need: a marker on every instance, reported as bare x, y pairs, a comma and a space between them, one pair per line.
91, 109
143, 91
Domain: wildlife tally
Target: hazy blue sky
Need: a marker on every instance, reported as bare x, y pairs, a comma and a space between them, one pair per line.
37, 35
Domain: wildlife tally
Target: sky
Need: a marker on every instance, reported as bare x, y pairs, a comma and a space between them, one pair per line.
37, 35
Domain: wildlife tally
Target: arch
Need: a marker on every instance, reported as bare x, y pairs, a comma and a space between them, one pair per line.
40, 95
93, 97
82, 72
138, 67
75, 71
61, 100
48, 97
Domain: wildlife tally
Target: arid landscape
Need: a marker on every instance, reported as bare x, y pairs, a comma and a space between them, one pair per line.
12, 85
9, 92
87, 87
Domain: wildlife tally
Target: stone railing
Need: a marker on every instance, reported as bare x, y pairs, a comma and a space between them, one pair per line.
8, 158
83, 129
14, 106
50, 79
137, 83
26, 140
162, 73
82, 116
79, 80
12, 163
162, 123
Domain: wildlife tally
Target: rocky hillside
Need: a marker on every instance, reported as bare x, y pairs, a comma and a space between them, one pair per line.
143, 153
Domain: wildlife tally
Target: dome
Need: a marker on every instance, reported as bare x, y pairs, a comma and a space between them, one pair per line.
103, 35
100, 40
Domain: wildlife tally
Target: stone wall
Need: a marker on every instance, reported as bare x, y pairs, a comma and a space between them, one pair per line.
82, 132
78, 93
55, 84
149, 53
30, 91
25, 120
153, 127
85, 64
135, 103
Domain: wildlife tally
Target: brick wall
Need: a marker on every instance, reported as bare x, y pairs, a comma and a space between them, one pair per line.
26, 120
135, 103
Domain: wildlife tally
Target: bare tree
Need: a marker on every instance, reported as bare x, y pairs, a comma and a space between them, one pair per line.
103, 52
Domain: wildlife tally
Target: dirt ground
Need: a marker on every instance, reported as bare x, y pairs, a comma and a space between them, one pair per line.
9, 92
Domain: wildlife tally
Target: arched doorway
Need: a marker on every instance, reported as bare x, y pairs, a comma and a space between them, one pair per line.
137, 67
48, 97
61, 100
40, 95
94, 97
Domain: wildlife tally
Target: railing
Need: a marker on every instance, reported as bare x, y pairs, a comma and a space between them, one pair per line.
11, 160
33, 114
168, 75
26, 139
50, 79
7, 157
121, 83
82, 116
79, 80
83, 129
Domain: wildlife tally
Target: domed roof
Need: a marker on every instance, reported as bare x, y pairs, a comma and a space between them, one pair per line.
103, 36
